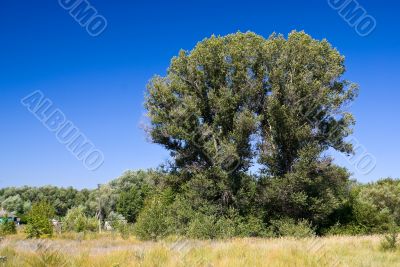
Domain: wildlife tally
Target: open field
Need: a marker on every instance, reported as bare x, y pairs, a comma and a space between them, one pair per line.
109, 250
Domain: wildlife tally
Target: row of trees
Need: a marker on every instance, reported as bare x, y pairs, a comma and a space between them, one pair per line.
141, 203
131, 188
248, 122
19, 200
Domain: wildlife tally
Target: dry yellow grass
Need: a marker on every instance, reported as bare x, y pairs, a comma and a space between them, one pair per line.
111, 250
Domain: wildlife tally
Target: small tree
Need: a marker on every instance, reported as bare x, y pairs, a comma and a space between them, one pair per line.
75, 220
39, 224
130, 203
152, 222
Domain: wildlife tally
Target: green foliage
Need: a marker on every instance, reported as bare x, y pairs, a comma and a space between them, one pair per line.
39, 224
130, 203
215, 97
202, 110
125, 230
120, 224
19, 199
313, 190
306, 104
370, 217
77, 221
252, 226
374, 205
178, 215
14, 204
289, 227
106, 198
204, 227
348, 229
241, 98
167, 215
7, 228
369, 209
384, 193
152, 222
390, 241
92, 224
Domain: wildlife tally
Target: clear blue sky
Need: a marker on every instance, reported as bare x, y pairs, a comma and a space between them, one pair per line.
99, 83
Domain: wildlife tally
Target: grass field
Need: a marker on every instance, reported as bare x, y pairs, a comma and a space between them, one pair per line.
110, 250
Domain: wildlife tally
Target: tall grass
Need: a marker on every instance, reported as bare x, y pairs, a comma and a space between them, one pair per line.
111, 250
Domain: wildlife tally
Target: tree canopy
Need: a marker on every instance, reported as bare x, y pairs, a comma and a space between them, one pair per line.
240, 100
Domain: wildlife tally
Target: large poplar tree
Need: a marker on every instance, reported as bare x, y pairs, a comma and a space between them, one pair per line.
241, 99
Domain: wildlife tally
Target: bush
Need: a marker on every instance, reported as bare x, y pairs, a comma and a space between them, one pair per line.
390, 240
230, 225
125, 230
179, 215
130, 203
116, 220
76, 221
349, 229
152, 222
165, 215
227, 227
203, 227
39, 224
7, 228
383, 195
289, 227
119, 224
92, 224
252, 226
373, 219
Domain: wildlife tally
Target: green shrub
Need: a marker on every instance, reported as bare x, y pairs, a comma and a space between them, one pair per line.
130, 203
349, 229
252, 226
119, 224
125, 230
152, 222
179, 215
390, 240
373, 219
76, 221
39, 224
205, 224
92, 224
7, 228
230, 225
165, 215
202, 227
227, 227
116, 220
291, 228
383, 194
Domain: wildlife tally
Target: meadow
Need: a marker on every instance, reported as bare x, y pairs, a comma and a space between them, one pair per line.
107, 249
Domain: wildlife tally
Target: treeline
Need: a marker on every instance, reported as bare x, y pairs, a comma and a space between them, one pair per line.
19, 200
103, 200
141, 203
